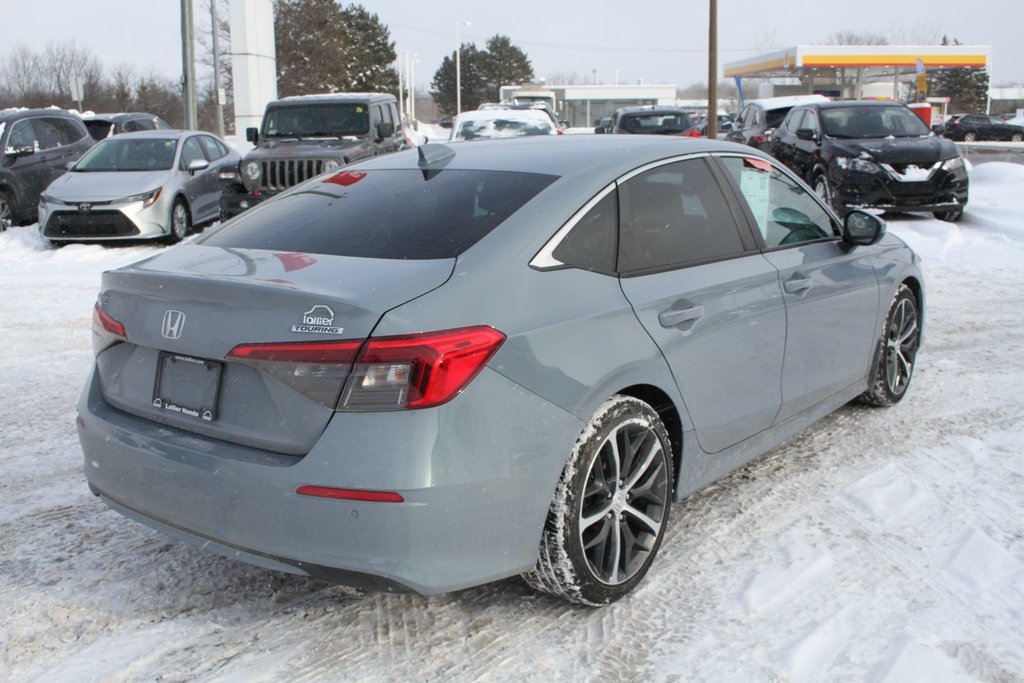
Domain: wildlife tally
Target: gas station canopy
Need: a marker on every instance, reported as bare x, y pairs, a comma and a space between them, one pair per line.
793, 62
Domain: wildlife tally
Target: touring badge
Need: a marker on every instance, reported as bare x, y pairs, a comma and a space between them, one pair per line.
318, 320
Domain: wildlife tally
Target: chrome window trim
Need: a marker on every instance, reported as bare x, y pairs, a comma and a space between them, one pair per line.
545, 259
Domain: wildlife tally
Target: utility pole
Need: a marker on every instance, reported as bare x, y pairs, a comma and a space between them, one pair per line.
458, 67
188, 66
713, 71
216, 71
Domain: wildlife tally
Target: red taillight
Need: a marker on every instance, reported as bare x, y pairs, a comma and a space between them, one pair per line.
341, 352
382, 373
559, 131
103, 320
350, 494
418, 370
692, 133
760, 138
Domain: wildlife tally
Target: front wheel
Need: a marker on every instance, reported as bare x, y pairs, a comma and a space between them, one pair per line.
823, 188
610, 509
970, 136
6, 211
181, 223
951, 216
897, 351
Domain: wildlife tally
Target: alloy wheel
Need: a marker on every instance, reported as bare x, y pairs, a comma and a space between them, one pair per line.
179, 221
6, 218
901, 346
625, 502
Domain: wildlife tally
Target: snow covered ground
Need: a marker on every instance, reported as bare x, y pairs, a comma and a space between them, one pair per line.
882, 545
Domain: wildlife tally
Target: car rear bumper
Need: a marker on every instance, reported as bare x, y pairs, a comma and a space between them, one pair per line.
476, 489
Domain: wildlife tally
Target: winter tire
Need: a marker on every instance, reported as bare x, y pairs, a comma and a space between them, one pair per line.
181, 222
1017, 137
949, 216
6, 212
896, 352
610, 509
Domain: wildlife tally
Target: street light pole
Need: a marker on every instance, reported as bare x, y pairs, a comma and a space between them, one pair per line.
712, 130
216, 70
458, 67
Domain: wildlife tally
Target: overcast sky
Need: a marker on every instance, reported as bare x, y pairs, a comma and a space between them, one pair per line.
660, 42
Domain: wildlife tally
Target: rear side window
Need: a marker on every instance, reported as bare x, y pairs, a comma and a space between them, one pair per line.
388, 214
677, 216
591, 243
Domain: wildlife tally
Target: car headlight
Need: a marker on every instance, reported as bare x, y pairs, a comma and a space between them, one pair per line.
251, 170
45, 199
147, 198
331, 164
953, 164
857, 164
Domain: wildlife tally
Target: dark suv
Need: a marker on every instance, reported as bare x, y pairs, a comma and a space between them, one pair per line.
756, 122
104, 125
304, 136
653, 120
971, 127
873, 154
37, 145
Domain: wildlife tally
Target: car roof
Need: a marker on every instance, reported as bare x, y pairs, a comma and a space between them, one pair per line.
651, 109
768, 103
603, 157
839, 104
322, 98
507, 114
165, 134
18, 113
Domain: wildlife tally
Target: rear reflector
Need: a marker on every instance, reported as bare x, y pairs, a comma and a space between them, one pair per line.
350, 494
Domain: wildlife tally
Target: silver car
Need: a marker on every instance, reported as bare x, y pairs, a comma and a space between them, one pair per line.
443, 367
145, 185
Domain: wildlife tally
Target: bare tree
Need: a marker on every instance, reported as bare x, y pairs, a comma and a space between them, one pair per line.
22, 73
920, 33
64, 60
850, 37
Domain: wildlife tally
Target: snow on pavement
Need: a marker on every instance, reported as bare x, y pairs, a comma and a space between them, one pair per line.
882, 545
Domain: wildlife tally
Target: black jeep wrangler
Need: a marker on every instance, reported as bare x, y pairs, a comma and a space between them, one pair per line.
305, 136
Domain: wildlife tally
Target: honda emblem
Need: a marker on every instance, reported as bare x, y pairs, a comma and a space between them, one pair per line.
174, 323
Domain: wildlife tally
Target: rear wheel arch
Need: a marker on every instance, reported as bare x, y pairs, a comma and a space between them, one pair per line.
670, 417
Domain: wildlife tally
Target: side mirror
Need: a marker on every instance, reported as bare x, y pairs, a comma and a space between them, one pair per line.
861, 228
806, 134
252, 135
385, 129
599, 130
197, 165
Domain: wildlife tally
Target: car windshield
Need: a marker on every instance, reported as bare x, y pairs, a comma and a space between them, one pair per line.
388, 214
127, 154
871, 122
649, 124
336, 119
499, 127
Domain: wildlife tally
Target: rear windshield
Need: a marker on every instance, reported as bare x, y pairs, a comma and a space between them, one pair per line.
872, 122
98, 129
388, 214
653, 124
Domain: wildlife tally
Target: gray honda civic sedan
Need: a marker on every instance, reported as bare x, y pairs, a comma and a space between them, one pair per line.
464, 362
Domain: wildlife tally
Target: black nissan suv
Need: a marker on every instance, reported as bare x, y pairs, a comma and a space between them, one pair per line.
305, 136
873, 155
37, 146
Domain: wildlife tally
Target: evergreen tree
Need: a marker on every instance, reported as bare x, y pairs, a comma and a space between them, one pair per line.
474, 85
324, 48
966, 87
502, 63
483, 74
372, 52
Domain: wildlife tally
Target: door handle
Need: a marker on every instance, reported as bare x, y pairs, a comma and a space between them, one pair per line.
674, 317
797, 284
